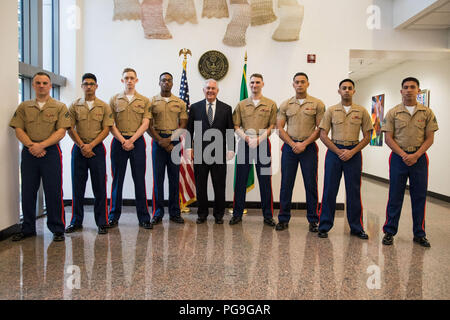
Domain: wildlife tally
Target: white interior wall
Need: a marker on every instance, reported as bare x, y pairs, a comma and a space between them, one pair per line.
330, 29
406, 9
9, 170
432, 75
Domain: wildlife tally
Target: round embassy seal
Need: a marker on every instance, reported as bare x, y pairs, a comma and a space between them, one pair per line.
213, 65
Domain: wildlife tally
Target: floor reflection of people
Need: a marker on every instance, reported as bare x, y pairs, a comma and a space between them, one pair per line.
390, 274
328, 288
32, 269
352, 271
260, 282
217, 288
176, 267
118, 279
305, 288
98, 285
158, 277
55, 271
136, 287
11, 264
78, 261
284, 283
414, 288
241, 253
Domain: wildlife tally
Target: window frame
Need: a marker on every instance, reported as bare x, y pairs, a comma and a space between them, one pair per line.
32, 46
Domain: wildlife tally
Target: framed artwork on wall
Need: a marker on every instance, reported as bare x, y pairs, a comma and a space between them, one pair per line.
377, 120
424, 97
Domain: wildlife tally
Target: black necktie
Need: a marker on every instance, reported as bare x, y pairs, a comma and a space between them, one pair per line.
210, 114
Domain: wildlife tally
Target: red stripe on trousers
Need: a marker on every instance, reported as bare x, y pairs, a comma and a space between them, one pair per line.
63, 218
271, 192
112, 175
360, 200
425, 205
385, 223
323, 187
145, 171
153, 192
317, 178
71, 152
106, 188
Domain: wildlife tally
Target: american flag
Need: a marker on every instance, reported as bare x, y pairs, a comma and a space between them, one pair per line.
187, 180
184, 88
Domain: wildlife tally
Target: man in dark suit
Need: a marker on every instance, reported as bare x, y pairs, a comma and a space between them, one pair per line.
211, 128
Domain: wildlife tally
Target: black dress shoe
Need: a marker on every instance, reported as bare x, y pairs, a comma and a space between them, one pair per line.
20, 236
177, 219
270, 222
322, 234
388, 239
235, 220
200, 220
361, 235
102, 230
282, 226
72, 228
156, 220
113, 224
146, 225
219, 220
422, 241
313, 227
58, 236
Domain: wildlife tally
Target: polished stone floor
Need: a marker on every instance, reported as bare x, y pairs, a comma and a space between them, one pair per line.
245, 261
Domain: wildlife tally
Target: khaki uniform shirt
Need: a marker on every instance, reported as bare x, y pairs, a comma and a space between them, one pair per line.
129, 115
301, 119
409, 131
39, 124
167, 115
260, 117
89, 123
345, 127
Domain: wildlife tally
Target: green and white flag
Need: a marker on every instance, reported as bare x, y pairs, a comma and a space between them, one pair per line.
243, 96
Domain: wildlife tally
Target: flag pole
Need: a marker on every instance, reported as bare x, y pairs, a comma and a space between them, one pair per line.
184, 206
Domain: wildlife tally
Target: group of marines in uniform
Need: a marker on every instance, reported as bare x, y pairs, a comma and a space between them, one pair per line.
41, 123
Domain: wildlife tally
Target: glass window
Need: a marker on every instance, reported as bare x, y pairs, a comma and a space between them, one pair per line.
38, 23
20, 23
20, 90
47, 35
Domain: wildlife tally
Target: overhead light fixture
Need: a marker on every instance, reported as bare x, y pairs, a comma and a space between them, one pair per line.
350, 72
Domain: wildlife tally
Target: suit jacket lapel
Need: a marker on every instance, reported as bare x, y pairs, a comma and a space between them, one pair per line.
204, 114
216, 113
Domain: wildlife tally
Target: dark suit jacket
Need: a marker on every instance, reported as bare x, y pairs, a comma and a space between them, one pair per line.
223, 120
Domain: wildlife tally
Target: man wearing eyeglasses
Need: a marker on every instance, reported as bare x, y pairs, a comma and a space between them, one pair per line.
91, 121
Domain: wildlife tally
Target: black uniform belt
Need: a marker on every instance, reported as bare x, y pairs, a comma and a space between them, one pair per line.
297, 140
346, 143
410, 149
165, 131
127, 133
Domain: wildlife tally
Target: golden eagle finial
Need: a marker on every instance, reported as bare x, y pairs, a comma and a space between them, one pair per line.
185, 52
